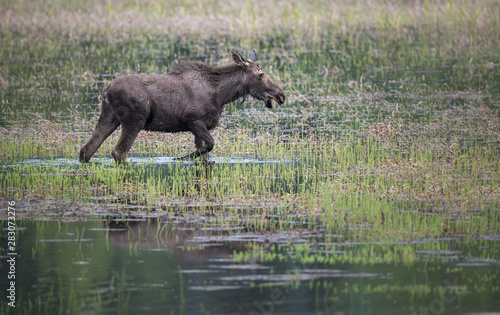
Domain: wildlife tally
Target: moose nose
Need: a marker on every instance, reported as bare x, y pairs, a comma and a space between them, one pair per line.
281, 98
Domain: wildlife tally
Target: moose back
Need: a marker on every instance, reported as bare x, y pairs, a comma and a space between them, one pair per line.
189, 98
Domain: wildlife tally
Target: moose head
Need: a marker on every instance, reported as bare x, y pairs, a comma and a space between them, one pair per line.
259, 84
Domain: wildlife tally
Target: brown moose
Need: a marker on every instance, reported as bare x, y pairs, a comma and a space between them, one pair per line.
189, 98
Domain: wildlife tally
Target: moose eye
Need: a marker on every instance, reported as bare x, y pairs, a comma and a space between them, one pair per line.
260, 75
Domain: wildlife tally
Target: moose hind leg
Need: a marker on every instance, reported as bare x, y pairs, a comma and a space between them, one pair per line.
127, 138
102, 130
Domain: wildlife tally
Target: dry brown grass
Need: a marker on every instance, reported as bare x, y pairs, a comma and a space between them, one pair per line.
248, 18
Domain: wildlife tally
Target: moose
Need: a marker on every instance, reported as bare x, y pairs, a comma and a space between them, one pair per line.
190, 97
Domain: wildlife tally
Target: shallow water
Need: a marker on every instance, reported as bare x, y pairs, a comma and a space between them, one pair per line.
153, 161
109, 266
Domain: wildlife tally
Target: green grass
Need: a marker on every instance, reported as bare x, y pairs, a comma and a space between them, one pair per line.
380, 174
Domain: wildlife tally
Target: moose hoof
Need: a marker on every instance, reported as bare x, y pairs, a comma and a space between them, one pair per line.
119, 158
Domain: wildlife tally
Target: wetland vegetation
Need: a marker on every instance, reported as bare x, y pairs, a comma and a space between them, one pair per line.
375, 188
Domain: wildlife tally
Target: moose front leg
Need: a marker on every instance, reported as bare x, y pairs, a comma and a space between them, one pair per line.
204, 156
203, 141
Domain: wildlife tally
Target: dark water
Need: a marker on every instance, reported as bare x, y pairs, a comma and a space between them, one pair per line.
163, 265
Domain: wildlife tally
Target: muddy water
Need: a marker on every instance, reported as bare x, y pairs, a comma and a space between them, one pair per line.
162, 265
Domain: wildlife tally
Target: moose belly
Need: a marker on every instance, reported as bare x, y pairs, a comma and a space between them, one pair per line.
165, 125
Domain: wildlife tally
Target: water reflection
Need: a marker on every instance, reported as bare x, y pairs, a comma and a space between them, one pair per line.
189, 242
195, 264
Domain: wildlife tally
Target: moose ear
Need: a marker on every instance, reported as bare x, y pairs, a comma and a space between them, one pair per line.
253, 55
238, 58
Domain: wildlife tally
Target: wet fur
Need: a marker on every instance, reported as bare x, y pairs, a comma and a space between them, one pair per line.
189, 98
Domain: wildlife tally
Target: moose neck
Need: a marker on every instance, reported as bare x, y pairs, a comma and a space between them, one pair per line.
230, 87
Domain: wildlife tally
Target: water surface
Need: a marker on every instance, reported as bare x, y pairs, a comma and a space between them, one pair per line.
111, 265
